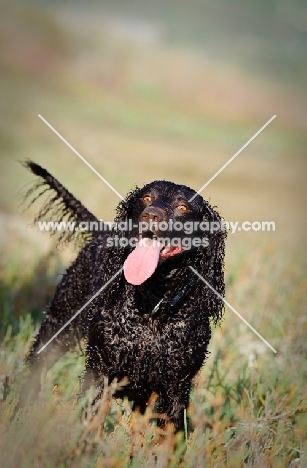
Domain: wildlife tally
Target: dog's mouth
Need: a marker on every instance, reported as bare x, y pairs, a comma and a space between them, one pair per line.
144, 259
167, 249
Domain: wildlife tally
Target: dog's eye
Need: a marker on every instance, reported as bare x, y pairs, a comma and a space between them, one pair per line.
147, 198
182, 207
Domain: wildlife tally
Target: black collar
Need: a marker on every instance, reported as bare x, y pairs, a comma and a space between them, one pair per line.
164, 302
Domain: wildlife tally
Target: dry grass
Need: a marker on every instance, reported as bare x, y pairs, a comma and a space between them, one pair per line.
248, 407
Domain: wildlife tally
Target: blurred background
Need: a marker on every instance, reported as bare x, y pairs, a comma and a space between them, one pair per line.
157, 89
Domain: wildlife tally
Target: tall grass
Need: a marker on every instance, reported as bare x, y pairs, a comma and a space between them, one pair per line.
248, 406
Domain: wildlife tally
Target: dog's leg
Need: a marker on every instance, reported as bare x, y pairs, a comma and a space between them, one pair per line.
140, 403
171, 405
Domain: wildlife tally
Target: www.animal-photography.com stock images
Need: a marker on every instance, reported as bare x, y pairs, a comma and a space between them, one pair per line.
153, 234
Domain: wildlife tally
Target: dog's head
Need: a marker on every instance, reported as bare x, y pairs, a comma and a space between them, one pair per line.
160, 222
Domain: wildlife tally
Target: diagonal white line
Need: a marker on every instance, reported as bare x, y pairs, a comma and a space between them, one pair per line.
80, 310
233, 157
233, 309
81, 157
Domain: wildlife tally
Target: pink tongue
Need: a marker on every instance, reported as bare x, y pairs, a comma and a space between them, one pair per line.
142, 261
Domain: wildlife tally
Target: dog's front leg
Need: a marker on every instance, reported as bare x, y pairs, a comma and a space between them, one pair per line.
171, 407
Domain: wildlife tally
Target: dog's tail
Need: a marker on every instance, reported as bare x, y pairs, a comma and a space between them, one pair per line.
61, 206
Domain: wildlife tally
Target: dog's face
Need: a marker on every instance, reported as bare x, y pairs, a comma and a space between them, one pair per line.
165, 224
167, 214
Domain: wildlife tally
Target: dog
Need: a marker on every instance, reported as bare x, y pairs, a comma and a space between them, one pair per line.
135, 292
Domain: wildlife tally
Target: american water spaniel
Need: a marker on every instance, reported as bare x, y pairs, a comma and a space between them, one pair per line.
143, 313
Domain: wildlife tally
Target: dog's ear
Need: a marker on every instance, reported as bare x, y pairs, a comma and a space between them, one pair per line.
61, 206
129, 206
210, 262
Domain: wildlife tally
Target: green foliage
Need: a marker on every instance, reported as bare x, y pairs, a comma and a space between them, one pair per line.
248, 405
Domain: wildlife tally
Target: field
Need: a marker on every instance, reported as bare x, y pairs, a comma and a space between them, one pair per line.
161, 90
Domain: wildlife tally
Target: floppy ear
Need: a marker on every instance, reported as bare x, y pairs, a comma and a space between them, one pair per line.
210, 263
116, 255
61, 206
127, 207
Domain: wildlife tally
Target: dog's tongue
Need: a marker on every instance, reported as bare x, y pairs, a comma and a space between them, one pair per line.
142, 261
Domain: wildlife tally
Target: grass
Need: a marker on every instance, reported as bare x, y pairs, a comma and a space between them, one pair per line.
248, 407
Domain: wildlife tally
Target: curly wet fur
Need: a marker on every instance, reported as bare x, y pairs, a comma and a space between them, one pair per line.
159, 352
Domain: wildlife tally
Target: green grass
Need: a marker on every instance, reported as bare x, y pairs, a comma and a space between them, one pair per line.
248, 405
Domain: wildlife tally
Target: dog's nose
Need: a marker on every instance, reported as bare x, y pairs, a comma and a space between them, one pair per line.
154, 214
